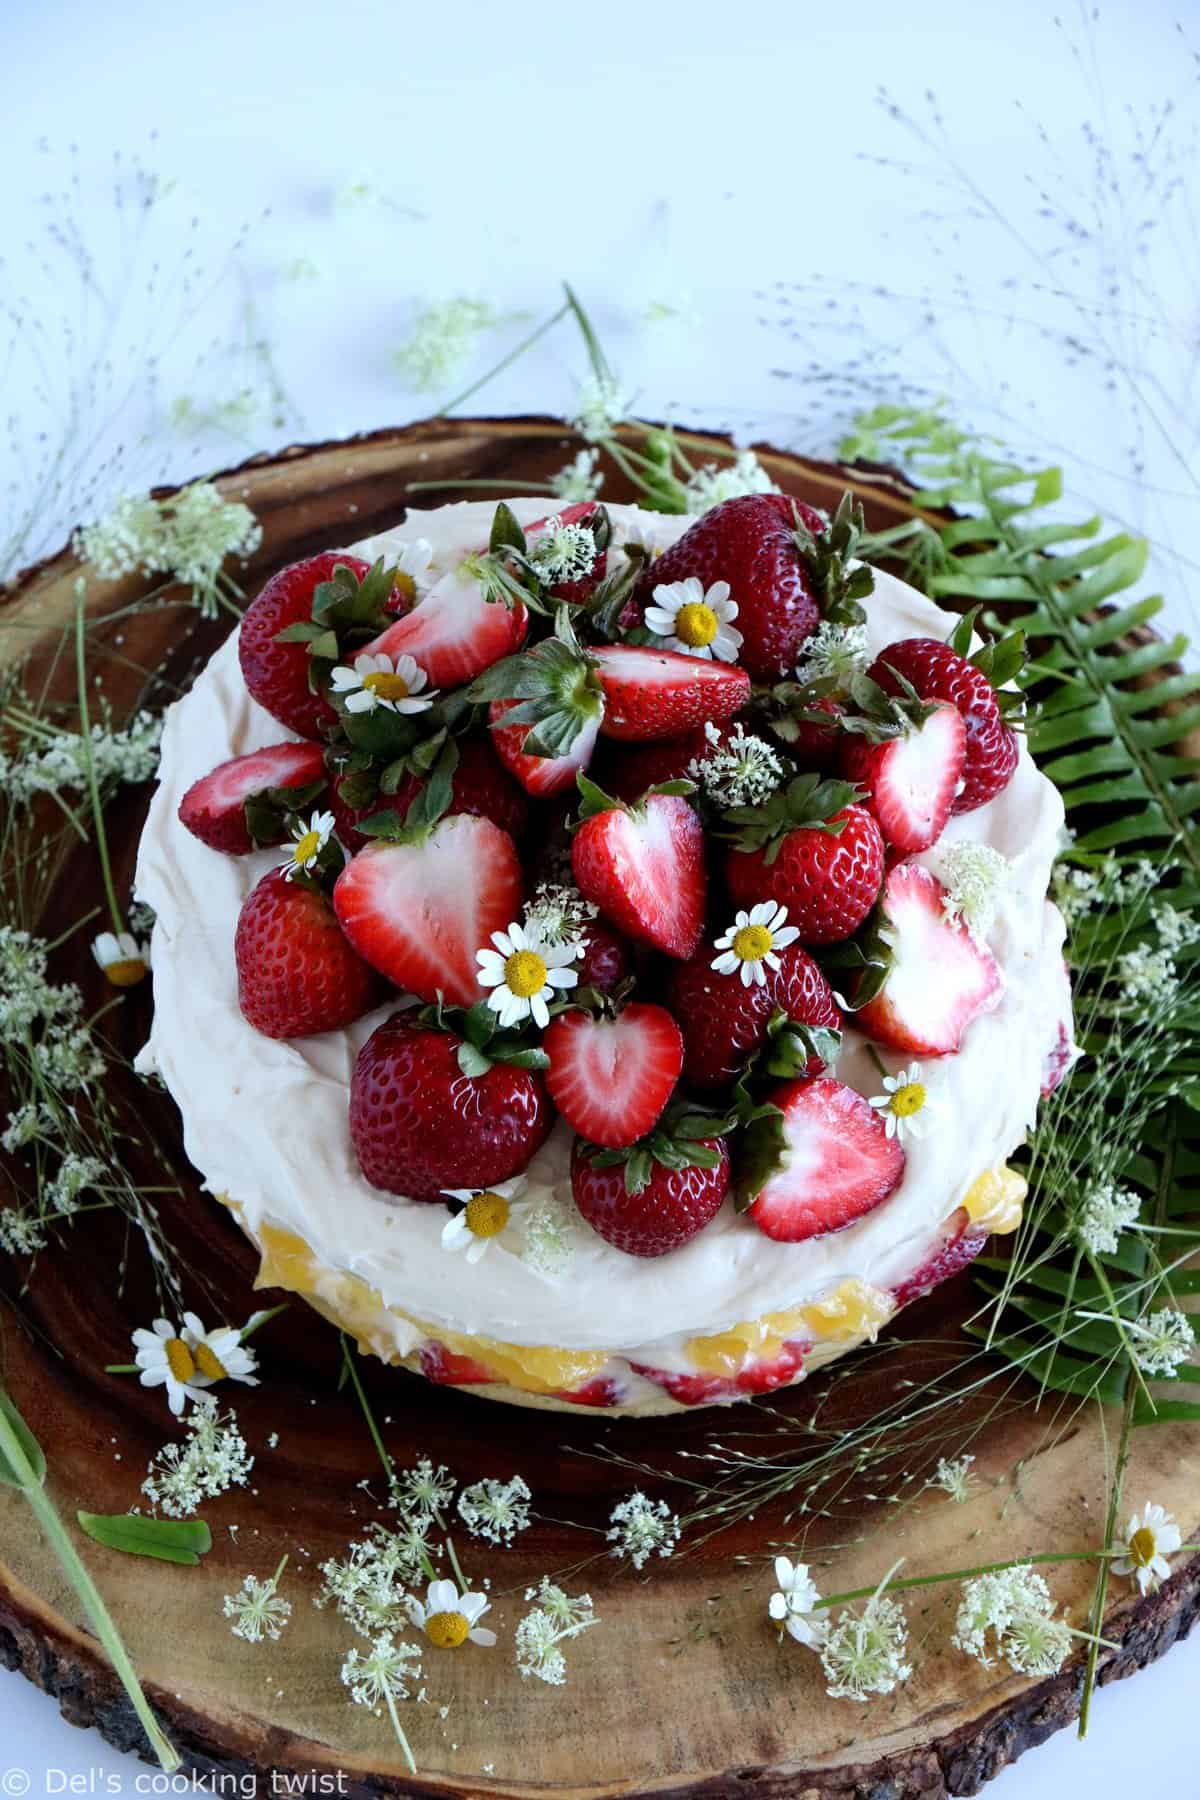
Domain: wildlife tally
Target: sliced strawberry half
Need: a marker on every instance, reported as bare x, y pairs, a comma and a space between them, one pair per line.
911, 780
602, 1390
418, 911
644, 868
939, 978
454, 631
611, 1078
214, 808
822, 1161
540, 775
449, 1369
761, 1375
660, 694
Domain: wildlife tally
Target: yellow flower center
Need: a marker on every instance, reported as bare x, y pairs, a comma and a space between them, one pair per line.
1142, 1547
487, 1215
210, 1364
447, 1630
908, 1100
404, 584
306, 848
696, 624
524, 974
752, 943
180, 1360
125, 973
385, 686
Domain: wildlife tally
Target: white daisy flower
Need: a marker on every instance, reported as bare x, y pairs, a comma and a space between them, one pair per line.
376, 680
450, 1619
413, 569
695, 621
307, 844
486, 1213
220, 1354
123, 960
751, 944
1153, 1535
523, 972
165, 1359
907, 1104
792, 1606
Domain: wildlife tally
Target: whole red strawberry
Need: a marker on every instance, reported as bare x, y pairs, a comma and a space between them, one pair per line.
296, 973
480, 785
644, 1206
811, 849
277, 674
419, 1125
938, 672
606, 961
724, 1022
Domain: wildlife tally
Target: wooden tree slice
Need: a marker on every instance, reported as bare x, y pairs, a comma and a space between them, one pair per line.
682, 1689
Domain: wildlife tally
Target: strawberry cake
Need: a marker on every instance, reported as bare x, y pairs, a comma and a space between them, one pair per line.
603, 959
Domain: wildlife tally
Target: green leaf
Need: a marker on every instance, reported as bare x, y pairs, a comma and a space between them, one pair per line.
762, 1150
166, 1540
507, 533
30, 1448
472, 1061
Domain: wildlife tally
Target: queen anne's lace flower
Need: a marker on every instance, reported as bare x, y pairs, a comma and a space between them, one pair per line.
833, 653
424, 1491
738, 769
866, 1653
579, 479
954, 1477
495, 1510
75, 1174
1015, 1607
1104, 1212
1165, 1340
1153, 1535
555, 1619
640, 1528
715, 482
444, 337
258, 1610
212, 1460
188, 536
49, 762
549, 1246
557, 914
369, 1585
379, 1677
974, 876
563, 552
600, 406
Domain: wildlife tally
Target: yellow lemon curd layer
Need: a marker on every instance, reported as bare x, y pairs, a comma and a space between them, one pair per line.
852, 1313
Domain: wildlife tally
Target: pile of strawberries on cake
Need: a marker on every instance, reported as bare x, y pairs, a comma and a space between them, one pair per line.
615, 827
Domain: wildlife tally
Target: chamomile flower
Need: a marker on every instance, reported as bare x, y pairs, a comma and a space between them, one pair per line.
792, 1606
220, 1354
165, 1359
450, 1619
751, 945
485, 1215
307, 844
906, 1104
1153, 1535
413, 569
122, 959
523, 972
376, 680
695, 620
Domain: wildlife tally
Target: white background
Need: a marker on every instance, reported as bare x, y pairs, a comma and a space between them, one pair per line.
1010, 227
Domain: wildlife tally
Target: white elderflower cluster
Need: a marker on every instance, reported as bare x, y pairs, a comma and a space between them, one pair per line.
974, 876
75, 1173
49, 762
422, 1492
557, 914
601, 405
1164, 1341
555, 1619
715, 482
187, 536
562, 552
740, 770
1012, 1608
549, 1239
867, 1653
833, 653
640, 1528
369, 1585
579, 479
64, 1053
1104, 1212
442, 341
495, 1510
953, 1476
212, 1459
258, 1610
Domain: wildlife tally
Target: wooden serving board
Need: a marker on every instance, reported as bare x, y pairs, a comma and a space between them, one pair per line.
682, 1689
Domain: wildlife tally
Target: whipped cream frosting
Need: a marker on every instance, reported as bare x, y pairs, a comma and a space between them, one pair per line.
266, 1123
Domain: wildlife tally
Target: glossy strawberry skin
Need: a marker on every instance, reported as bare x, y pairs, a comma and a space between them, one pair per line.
749, 542
628, 771
480, 785
650, 694
419, 1125
213, 809
958, 1248
646, 872
939, 673
672, 1207
724, 1023
297, 975
814, 748
541, 776
277, 674
828, 884
606, 961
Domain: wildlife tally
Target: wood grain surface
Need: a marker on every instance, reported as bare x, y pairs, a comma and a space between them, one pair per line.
682, 1689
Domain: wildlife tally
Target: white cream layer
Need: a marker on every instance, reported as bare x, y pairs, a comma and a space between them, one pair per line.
266, 1122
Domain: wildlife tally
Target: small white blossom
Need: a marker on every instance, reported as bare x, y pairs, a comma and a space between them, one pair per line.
867, 1653
213, 1459
738, 769
555, 1619
75, 1174
640, 1527
1015, 1606
188, 536
524, 973
48, 762
495, 1510
695, 620
21, 1233
907, 1105
258, 1609
412, 568
307, 843
122, 959
562, 552
974, 876
1104, 1212
792, 1607
485, 1216
715, 482
1165, 1340
1177, 930
833, 653
752, 943
558, 914
1153, 1535
549, 1247
27, 1122
1147, 974
579, 479
423, 1491
383, 1674
953, 1476
369, 1585
443, 339
450, 1619
376, 680
600, 406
